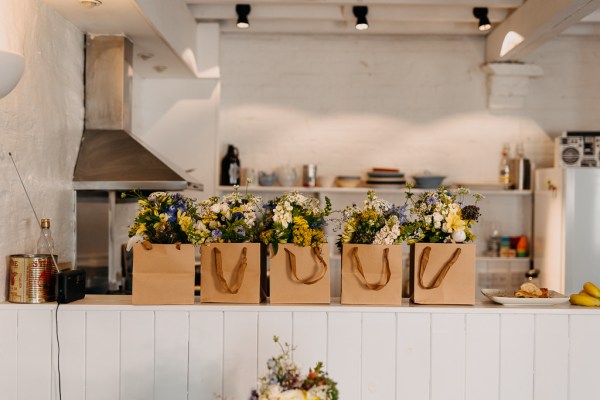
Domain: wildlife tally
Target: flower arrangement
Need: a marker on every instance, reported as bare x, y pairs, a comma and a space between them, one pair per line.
232, 218
164, 218
294, 218
378, 222
285, 382
442, 217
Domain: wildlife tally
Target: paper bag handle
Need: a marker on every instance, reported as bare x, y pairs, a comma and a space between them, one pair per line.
439, 278
311, 279
388, 272
148, 246
240, 268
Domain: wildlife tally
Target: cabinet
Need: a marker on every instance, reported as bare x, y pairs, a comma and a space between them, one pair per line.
509, 211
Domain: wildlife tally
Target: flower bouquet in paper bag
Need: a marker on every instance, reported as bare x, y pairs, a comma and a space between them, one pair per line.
371, 246
231, 258
294, 227
162, 237
284, 380
442, 255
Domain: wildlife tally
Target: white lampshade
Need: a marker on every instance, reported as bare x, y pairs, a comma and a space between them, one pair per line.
11, 69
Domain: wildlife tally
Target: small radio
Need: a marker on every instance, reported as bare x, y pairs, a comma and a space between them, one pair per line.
568, 151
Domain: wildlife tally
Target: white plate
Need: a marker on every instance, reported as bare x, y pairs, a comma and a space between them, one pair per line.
502, 297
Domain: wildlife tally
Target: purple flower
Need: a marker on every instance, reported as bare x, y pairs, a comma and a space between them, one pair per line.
238, 215
216, 234
430, 200
240, 231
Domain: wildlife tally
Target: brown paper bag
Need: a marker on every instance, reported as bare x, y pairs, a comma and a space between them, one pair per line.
371, 274
299, 275
232, 273
442, 273
163, 274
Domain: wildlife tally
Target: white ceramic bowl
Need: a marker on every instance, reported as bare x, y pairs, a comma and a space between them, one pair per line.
347, 181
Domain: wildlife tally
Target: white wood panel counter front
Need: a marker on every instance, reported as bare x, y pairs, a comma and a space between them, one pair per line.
110, 349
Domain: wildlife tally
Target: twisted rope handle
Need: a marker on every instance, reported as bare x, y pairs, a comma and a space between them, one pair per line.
311, 279
239, 275
388, 272
439, 278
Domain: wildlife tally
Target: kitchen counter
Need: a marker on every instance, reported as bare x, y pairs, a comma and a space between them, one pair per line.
110, 349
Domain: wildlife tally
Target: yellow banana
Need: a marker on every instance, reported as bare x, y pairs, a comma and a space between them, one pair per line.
584, 300
591, 289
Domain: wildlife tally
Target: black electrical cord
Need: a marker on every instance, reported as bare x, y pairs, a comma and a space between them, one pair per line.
58, 351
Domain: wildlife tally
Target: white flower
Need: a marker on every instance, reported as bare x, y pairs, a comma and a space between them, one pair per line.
294, 394
437, 220
459, 236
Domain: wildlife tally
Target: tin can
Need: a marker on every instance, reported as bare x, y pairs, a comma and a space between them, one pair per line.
32, 278
309, 175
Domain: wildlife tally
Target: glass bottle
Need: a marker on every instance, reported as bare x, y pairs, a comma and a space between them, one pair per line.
505, 168
45, 243
230, 167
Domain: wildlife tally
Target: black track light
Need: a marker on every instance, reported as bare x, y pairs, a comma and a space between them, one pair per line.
242, 11
360, 12
481, 13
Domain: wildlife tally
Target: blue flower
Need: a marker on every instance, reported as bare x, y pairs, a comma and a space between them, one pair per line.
238, 215
240, 231
430, 200
216, 234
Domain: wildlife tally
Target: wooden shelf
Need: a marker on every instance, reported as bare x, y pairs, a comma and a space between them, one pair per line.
361, 189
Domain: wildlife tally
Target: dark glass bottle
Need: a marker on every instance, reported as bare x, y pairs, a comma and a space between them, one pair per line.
230, 167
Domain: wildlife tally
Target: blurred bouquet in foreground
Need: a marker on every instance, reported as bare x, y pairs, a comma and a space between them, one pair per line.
442, 217
232, 218
294, 218
164, 218
285, 382
378, 222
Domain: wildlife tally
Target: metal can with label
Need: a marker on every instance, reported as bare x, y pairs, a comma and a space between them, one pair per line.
309, 175
32, 278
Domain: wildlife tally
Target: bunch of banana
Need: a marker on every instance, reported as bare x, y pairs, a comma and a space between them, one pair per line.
589, 296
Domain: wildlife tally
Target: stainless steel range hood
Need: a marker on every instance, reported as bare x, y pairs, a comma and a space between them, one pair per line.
109, 157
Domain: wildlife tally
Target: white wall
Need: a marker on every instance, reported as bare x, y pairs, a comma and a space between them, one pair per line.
40, 123
350, 103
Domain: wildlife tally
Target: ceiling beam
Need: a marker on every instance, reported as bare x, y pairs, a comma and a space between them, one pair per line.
216, 12
531, 25
470, 3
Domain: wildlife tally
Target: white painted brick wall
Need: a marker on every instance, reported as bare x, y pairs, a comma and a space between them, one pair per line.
40, 123
415, 103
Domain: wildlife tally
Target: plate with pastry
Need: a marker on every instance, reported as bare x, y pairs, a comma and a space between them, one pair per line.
528, 294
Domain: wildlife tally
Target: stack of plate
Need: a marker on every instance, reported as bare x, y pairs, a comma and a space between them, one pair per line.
385, 177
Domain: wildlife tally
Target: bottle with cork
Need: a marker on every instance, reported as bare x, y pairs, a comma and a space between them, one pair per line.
45, 243
505, 168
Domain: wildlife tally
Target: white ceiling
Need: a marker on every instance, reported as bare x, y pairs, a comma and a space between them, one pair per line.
167, 28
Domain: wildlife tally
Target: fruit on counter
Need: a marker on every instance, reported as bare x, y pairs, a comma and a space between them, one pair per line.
584, 300
591, 289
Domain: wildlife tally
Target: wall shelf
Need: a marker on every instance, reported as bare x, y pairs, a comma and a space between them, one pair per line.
361, 189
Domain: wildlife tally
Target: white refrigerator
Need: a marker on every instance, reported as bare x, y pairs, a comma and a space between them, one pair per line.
566, 221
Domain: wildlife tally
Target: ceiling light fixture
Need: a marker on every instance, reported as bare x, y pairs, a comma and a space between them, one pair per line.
360, 12
481, 13
242, 11
90, 3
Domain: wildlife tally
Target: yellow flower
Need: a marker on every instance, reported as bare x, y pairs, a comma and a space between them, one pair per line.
141, 229
185, 221
453, 222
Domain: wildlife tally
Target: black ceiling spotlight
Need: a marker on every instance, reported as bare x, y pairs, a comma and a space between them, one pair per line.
242, 11
360, 12
481, 13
